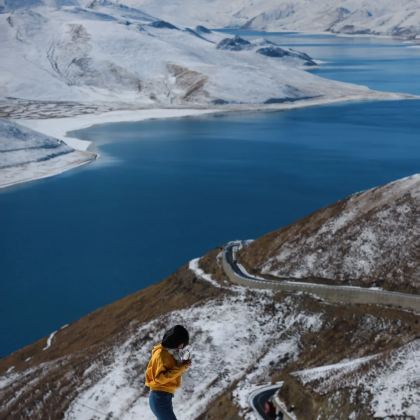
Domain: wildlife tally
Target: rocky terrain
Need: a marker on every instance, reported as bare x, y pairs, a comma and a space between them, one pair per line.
337, 361
371, 238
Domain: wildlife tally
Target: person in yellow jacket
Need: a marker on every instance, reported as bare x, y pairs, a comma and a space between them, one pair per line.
164, 371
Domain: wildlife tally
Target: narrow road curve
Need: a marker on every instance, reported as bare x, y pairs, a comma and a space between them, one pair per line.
347, 294
259, 396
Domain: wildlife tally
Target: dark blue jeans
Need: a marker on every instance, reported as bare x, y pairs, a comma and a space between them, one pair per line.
161, 404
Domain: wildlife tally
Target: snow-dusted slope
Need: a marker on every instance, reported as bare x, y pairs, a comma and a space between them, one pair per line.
378, 17
26, 154
391, 378
219, 356
115, 53
240, 339
371, 237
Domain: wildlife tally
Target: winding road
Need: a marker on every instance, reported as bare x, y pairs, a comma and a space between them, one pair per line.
343, 294
259, 396
347, 294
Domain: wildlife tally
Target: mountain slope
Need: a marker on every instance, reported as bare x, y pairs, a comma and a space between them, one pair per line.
108, 52
239, 339
369, 238
383, 17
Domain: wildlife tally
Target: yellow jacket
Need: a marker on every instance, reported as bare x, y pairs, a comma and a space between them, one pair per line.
163, 373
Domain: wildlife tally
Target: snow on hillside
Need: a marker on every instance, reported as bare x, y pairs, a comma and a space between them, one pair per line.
19, 145
238, 339
220, 331
27, 154
228, 335
108, 52
392, 378
381, 17
371, 237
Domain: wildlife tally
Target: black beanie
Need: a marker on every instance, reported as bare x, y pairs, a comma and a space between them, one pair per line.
175, 336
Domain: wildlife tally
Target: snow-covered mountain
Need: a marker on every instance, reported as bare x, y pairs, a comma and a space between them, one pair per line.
377, 17
369, 238
105, 51
240, 339
71, 57
26, 154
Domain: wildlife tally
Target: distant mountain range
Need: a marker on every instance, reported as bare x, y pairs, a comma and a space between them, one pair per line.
373, 17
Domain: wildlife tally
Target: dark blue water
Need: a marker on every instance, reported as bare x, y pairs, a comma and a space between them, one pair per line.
168, 191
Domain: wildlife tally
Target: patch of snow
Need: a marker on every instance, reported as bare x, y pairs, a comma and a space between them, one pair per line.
331, 374
35, 375
396, 386
51, 337
49, 340
7, 379
392, 378
194, 267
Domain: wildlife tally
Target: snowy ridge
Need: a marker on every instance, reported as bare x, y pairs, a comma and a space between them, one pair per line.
380, 17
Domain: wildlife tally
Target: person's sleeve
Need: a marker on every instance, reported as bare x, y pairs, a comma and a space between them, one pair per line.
164, 375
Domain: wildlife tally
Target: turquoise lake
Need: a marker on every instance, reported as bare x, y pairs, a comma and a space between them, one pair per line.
167, 191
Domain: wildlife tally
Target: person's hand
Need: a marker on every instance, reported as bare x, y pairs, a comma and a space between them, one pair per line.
186, 363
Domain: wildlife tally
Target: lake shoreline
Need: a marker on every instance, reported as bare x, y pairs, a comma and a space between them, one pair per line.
60, 127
